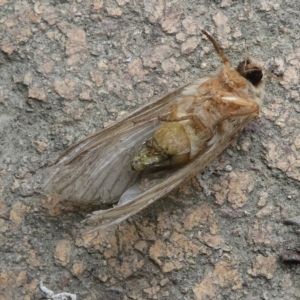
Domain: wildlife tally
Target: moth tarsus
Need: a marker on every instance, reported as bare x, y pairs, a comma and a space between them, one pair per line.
163, 143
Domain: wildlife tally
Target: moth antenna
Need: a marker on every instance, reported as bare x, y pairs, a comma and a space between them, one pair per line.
247, 55
217, 48
273, 76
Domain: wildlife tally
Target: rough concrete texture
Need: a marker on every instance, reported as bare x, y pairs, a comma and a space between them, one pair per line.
69, 68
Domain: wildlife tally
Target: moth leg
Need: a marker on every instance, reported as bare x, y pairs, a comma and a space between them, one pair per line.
244, 113
239, 101
249, 107
193, 117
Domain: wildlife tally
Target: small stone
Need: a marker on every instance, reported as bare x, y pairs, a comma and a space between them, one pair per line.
135, 68
37, 93
237, 34
170, 65
17, 213
76, 41
141, 246
128, 266
48, 67
166, 294
180, 37
152, 291
27, 78
164, 281
152, 56
40, 146
260, 235
66, 88
264, 212
97, 5
291, 76
189, 25
213, 241
225, 3
265, 6
225, 275
201, 215
15, 186
7, 47
171, 266
114, 12
240, 186
228, 168
26, 190
96, 78
47, 13
262, 199
5, 279
102, 65
220, 19
85, 95
78, 114
104, 277
32, 259
246, 146
190, 45
263, 266
295, 96
297, 142
21, 279
286, 281
122, 2
3, 226
63, 252
170, 19
75, 59
77, 269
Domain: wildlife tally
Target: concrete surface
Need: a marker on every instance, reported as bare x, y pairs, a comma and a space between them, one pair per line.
68, 68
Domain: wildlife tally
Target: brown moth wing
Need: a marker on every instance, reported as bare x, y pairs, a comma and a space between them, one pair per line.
244, 109
173, 179
97, 169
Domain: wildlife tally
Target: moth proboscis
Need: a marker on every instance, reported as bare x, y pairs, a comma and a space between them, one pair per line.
150, 152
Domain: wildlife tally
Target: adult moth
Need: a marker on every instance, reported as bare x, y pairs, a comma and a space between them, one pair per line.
143, 157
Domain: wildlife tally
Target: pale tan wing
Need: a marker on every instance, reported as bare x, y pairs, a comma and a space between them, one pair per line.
138, 199
97, 169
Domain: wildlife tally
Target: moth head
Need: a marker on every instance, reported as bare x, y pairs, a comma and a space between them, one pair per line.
250, 71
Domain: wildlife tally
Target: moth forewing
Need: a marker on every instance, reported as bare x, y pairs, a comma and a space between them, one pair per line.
143, 199
113, 163
83, 172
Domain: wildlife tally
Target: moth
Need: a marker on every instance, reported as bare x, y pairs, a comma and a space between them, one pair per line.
143, 157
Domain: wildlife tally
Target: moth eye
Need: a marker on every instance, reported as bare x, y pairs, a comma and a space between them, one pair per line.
254, 76
251, 73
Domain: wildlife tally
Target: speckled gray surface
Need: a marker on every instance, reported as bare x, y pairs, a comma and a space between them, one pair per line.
67, 69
